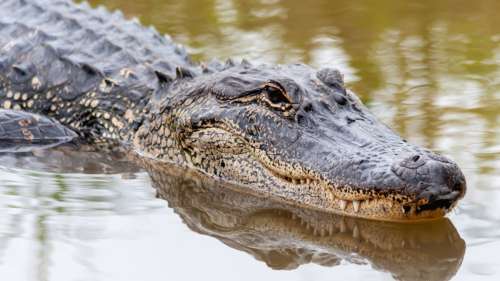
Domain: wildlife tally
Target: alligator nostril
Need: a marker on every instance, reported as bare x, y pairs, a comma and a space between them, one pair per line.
413, 161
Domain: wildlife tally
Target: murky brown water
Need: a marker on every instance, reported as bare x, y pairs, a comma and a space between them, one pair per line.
430, 69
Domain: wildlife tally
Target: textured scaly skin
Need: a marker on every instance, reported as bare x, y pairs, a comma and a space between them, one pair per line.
287, 131
89, 69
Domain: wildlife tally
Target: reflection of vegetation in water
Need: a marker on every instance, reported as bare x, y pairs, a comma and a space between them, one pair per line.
36, 204
43, 255
429, 68
58, 194
10, 227
42, 212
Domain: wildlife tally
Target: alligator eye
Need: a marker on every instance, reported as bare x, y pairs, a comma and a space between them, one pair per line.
276, 96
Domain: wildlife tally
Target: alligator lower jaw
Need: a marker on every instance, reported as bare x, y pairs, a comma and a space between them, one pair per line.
346, 200
385, 208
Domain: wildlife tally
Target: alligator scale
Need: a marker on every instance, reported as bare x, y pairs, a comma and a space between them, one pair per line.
289, 132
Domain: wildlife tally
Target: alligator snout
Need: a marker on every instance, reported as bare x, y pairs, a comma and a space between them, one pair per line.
433, 178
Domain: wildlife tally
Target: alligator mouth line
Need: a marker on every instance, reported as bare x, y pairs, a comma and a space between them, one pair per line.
389, 207
344, 199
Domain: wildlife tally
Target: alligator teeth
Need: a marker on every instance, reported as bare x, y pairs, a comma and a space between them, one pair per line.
303, 181
355, 232
294, 181
343, 204
343, 227
308, 181
355, 205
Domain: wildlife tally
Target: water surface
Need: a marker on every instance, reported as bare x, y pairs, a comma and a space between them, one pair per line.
430, 70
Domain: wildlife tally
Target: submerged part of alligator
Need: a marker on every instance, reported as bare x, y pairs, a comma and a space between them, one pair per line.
287, 131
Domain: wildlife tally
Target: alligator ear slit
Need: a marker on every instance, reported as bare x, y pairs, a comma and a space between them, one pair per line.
20, 70
89, 69
163, 78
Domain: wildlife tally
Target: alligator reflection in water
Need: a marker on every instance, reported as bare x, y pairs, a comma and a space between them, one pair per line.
285, 237
278, 234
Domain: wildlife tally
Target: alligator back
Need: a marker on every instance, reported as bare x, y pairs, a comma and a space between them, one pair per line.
55, 55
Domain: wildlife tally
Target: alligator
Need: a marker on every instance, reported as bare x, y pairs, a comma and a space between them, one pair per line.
291, 132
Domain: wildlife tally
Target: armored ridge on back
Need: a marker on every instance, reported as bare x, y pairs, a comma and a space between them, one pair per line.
288, 131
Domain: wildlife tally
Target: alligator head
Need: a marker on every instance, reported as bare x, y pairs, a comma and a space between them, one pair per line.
298, 134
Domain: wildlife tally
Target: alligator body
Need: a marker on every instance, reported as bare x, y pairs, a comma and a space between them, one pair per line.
288, 131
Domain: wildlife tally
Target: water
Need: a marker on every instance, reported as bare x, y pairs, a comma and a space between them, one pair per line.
429, 69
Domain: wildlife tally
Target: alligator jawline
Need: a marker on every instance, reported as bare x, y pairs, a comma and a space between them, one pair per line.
343, 199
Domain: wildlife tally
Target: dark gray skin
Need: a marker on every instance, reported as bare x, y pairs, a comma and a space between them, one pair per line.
289, 131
